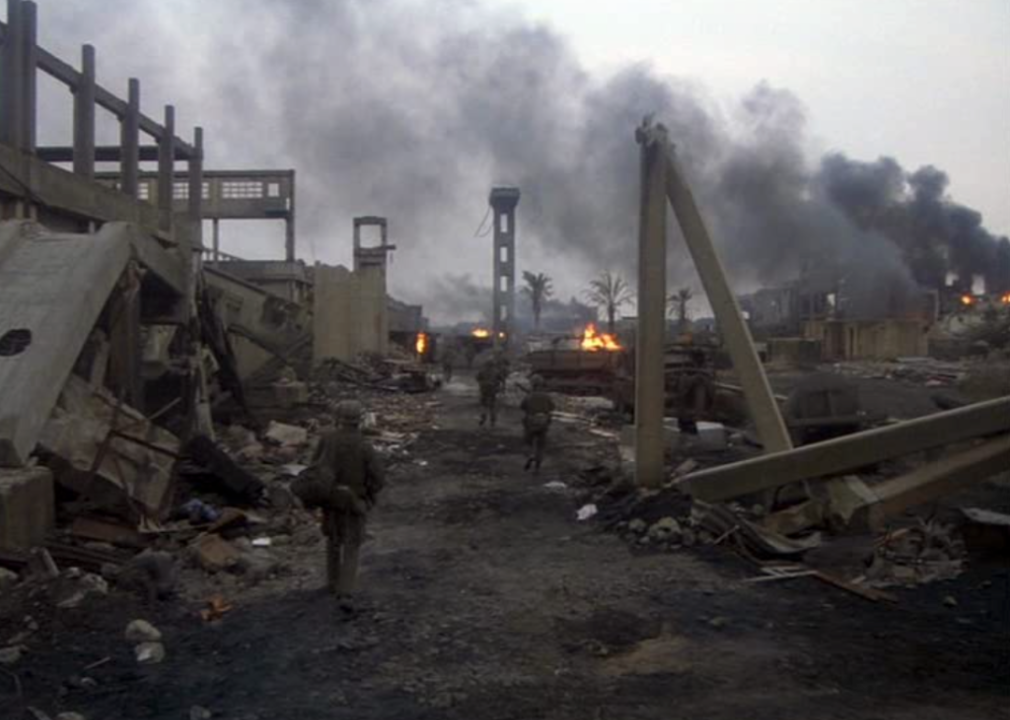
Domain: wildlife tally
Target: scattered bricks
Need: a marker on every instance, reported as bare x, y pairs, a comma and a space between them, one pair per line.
27, 507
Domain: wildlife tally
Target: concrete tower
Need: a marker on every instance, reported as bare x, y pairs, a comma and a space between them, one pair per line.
503, 202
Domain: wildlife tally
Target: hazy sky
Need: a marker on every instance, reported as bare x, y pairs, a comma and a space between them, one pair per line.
926, 81
408, 108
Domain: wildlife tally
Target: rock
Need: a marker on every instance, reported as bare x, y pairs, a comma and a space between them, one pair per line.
283, 434
688, 538
149, 653
719, 622
213, 553
257, 565
8, 578
10, 655
83, 585
950, 601
199, 713
280, 498
152, 573
70, 716
664, 528
141, 631
638, 525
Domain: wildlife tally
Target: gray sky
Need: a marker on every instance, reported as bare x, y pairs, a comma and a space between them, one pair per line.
413, 109
926, 81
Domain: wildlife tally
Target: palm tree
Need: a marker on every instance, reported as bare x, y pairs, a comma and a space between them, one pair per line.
539, 289
610, 292
679, 304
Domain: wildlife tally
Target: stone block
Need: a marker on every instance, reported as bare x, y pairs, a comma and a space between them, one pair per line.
27, 507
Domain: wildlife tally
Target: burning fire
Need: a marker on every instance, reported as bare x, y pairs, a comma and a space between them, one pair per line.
421, 344
481, 333
1005, 299
593, 341
967, 300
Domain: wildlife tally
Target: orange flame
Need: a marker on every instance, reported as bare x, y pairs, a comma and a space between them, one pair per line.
593, 340
1005, 299
421, 344
481, 333
967, 300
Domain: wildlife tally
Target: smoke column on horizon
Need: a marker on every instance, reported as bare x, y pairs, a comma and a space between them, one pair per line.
414, 110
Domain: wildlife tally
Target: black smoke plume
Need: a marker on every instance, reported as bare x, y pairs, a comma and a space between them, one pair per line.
414, 110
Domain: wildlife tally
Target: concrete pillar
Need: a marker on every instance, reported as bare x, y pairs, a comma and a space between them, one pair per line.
84, 116
289, 226
761, 403
13, 79
129, 133
216, 225
166, 170
29, 19
650, 380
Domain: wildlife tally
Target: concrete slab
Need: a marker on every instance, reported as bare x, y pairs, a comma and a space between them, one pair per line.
27, 507
53, 287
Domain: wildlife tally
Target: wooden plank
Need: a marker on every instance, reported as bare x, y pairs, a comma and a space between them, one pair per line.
848, 453
764, 411
55, 286
946, 475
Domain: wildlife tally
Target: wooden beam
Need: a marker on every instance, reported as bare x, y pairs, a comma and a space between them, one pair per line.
942, 477
761, 403
650, 384
848, 453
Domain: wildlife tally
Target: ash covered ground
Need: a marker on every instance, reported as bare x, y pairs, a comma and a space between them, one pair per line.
484, 597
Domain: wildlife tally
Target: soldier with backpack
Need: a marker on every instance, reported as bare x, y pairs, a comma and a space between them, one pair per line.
345, 479
537, 408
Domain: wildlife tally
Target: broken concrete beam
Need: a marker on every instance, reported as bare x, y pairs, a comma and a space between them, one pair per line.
53, 287
936, 479
845, 454
108, 450
27, 507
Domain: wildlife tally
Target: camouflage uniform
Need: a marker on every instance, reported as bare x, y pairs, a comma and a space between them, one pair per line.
356, 477
537, 408
489, 381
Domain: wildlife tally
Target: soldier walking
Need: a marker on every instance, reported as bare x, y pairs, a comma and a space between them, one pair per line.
489, 381
537, 408
351, 477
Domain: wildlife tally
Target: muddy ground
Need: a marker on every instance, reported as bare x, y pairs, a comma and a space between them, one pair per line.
484, 598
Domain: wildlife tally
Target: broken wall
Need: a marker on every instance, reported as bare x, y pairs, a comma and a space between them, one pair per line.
868, 339
350, 314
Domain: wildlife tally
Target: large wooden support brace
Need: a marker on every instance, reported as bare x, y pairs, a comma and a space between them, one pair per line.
935, 480
651, 333
764, 411
840, 455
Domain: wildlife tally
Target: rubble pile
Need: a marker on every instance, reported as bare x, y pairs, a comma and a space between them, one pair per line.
913, 370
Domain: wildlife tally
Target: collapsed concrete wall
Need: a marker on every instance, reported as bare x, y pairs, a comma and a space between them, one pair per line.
350, 314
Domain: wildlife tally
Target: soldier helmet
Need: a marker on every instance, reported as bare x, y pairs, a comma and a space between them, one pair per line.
537, 382
349, 412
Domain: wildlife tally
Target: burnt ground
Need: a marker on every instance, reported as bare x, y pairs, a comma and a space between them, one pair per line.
484, 598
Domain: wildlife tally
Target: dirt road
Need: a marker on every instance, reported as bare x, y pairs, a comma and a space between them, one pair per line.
485, 599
